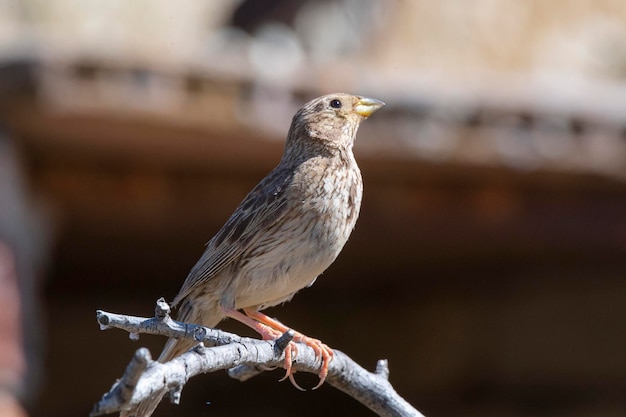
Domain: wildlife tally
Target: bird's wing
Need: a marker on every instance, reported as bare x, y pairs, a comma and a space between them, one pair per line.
263, 207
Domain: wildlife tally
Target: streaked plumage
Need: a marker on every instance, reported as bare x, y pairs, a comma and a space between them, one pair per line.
287, 230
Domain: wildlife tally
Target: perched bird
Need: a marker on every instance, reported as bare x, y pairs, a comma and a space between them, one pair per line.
285, 232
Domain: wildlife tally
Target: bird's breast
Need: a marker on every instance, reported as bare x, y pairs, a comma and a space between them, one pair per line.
324, 202
329, 193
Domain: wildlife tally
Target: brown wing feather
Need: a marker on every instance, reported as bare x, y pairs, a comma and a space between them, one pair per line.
259, 211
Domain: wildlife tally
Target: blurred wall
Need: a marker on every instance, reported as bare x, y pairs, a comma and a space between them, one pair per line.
492, 234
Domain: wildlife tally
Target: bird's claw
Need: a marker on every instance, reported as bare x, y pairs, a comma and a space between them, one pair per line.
272, 329
323, 356
290, 353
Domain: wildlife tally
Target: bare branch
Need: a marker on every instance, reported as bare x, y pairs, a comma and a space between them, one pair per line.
244, 357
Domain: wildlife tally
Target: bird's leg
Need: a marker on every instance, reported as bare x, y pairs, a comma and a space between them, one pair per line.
268, 333
322, 351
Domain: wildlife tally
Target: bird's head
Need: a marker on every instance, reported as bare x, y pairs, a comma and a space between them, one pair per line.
331, 120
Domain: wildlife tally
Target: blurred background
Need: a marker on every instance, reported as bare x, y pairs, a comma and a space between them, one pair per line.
489, 261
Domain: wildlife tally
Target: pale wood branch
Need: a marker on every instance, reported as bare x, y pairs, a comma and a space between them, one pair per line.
244, 357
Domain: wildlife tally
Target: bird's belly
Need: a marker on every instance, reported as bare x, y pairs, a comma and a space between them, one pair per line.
278, 270
299, 247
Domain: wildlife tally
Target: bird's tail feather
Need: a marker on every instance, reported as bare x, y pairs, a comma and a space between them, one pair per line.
173, 348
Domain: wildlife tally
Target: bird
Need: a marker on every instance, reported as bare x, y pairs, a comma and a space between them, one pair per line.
287, 231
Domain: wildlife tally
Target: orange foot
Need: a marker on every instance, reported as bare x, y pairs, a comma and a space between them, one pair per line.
270, 329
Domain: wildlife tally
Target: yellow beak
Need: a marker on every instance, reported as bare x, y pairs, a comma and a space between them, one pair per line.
366, 106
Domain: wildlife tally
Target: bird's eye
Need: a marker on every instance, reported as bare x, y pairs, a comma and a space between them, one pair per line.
335, 104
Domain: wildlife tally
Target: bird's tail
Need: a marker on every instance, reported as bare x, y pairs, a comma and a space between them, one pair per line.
206, 315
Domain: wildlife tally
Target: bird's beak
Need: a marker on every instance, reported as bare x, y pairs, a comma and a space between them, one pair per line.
366, 106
